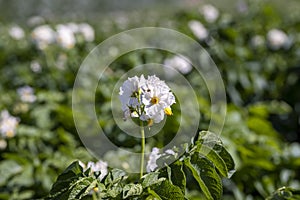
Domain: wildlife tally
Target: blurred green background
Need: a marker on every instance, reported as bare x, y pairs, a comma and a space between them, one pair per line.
255, 44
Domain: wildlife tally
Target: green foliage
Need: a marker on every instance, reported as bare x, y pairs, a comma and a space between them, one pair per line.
206, 176
165, 183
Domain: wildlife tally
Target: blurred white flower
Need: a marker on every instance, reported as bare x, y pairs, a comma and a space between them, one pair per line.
198, 29
294, 149
73, 27
84, 29
99, 166
16, 32
277, 39
87, 31
210, 13
179, 63
65, 37
8, 124
26, 94
257, 41
35, 66
43, 36
151, 164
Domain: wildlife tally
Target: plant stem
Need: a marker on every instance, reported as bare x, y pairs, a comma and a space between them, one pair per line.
142, 149
94, 196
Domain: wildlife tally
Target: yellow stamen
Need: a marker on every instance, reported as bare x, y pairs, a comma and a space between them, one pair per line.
150, 122
168, 111
154, 100
95, 189
10, 134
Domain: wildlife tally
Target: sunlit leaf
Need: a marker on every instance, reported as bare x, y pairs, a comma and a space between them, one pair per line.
132, 190
206, 176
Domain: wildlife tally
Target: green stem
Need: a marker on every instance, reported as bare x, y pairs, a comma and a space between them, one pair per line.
94, 196
142, 148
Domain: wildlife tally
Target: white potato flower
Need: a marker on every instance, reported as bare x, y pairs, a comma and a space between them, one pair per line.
129, 93
149, 99
179, 63
154, 155
210, 13
16, 32
157, 99
87, 31
151, 164
43, 36
65, 36
26, 94
35, 66
99, 166
277, 39
8, 124
198, 29
73, 27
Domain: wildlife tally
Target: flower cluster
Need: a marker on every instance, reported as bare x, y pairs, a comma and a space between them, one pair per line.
277, 39
16, 32
95, 167
147, 99
180, 63
210, 13
198, 29
26, 94
8, 124
65, 34
154, 156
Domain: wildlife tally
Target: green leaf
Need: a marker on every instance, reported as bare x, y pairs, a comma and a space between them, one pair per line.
225, 155
27, 194
64, 180
132, 190
151, 179
205, 174
175, 175
215, 158
81, 187
115, 176
210, 145
114, 191
166, 190
178, 176
8, 168
91, 186
22, 179
208, 138
153, 195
